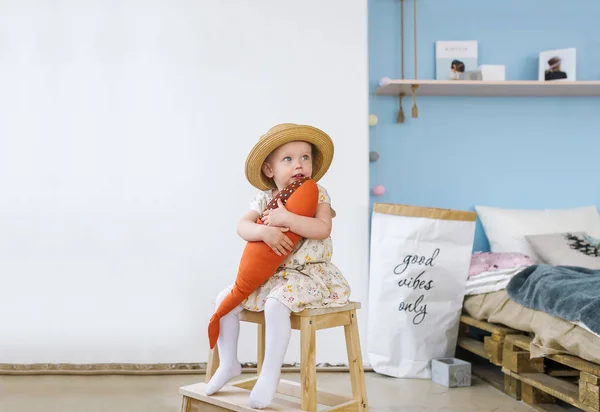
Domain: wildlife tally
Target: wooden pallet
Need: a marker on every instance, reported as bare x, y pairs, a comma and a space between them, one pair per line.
544, 382
491, 346
487, 364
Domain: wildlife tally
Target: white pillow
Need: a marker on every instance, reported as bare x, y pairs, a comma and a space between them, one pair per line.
566, 249
506, 228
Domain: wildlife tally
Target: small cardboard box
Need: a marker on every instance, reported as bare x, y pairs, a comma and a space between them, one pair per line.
451, 372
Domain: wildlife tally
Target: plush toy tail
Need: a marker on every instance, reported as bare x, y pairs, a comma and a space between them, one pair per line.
259, 262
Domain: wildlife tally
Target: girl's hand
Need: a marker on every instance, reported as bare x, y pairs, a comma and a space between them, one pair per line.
276, 217
276, 240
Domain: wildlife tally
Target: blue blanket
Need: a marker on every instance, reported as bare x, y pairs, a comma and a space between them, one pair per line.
567, 292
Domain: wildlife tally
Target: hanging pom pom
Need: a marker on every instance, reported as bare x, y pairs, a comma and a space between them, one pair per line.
384, 81
373, 120
378, 190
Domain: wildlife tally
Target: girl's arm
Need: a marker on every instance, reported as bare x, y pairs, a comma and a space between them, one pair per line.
318, 227
248, 229
274, 237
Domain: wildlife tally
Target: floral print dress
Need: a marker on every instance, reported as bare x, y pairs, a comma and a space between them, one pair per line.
307, 278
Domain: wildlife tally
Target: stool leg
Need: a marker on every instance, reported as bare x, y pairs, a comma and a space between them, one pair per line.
308, 363
260, 348
357, 372
212, 364
186, 404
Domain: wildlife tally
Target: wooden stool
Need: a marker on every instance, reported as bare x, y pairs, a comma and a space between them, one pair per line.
235, 395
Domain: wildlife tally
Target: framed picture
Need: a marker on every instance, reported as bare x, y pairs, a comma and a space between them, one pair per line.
454, 59
557, 65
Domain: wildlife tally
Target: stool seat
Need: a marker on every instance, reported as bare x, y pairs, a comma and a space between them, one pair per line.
308, 322
324, 318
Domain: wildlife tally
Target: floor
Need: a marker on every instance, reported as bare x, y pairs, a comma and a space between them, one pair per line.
160, 394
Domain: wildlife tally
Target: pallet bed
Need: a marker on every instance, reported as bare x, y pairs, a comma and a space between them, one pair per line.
552, 383
491, 346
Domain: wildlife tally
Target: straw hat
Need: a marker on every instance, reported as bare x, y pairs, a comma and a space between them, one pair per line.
280, 135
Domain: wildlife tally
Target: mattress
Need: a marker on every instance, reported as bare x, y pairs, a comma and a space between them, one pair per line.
552, 335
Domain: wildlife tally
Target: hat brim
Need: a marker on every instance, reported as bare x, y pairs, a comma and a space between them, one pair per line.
321, 159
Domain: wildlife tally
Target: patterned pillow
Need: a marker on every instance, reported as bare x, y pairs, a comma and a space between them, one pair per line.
567, 249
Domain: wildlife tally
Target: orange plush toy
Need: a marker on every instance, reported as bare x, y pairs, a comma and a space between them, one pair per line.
259, 261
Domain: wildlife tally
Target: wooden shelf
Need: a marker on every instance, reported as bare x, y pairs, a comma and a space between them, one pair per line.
490, 88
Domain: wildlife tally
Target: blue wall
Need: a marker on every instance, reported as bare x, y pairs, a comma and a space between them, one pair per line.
458, 153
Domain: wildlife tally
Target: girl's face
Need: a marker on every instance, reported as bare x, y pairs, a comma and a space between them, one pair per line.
288, 163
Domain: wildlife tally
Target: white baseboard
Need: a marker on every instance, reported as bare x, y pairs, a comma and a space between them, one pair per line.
140, 369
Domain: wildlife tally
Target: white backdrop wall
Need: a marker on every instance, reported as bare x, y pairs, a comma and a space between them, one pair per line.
124, 127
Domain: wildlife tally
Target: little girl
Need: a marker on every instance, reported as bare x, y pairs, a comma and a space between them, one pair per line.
307, 278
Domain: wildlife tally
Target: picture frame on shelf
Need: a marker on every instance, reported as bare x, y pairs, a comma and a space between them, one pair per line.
558, 65
455, 60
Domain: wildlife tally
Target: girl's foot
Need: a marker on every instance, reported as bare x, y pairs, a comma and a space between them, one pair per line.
264, 391
224, 374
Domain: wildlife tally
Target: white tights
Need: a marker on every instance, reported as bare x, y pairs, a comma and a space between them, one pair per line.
277, 338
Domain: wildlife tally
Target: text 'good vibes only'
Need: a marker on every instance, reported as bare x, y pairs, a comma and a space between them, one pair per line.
418, 307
